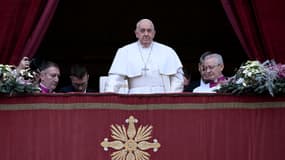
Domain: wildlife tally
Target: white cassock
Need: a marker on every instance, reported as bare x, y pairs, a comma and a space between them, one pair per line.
156, 69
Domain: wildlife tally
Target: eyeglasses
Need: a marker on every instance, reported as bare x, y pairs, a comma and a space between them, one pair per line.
205, 68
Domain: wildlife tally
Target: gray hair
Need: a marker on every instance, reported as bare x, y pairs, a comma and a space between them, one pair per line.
217, 56
142, 20
47, 64
205, 54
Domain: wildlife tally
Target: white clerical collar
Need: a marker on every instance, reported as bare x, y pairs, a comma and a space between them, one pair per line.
144, 48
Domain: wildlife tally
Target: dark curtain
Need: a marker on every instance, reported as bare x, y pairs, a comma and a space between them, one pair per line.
259, 25
22, 26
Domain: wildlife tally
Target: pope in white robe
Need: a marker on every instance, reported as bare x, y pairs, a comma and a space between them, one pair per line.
148, 66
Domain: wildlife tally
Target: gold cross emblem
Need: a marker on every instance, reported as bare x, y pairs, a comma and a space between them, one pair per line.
130, 143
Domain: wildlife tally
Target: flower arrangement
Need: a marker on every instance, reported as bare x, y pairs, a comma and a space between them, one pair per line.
255, 77
13, 81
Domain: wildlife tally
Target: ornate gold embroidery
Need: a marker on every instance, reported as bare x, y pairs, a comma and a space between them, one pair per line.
130, 143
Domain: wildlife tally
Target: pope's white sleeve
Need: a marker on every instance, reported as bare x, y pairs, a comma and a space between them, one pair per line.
177, 81
114, 83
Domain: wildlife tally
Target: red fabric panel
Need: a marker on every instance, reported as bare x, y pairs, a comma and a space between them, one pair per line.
243, 21
39, 31
69, 98
223, 134
271, 18
259, 26
18, 20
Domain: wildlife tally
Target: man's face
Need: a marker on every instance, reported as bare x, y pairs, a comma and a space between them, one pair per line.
80, 84
50, 77
211, 69
145, 33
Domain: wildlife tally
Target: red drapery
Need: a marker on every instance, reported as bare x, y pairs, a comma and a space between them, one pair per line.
200, 127
22, 26
259, 25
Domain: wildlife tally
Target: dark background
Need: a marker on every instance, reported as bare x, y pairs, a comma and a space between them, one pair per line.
90, 32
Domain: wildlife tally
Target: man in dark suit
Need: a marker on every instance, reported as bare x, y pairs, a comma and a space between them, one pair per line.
79, 80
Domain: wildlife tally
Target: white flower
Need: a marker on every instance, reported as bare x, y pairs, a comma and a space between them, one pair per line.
240, 81
12, 81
